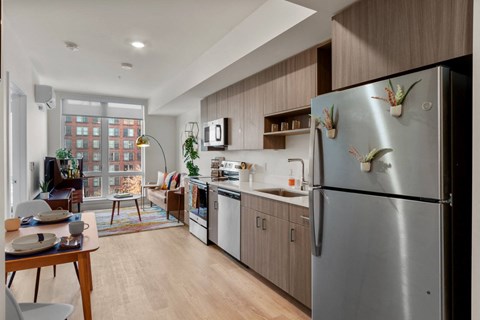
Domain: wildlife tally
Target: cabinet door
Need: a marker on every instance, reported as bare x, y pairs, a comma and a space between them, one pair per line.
213, 214
305, 77
369, 42
222, 104
253, 113
275, 246
247, 236
236, 114
212, 107
280, 86
203, 119
300, 264
268, 91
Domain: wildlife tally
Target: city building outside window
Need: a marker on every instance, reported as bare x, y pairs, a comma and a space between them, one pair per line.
108, 166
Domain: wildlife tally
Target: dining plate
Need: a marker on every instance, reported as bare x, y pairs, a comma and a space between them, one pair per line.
33, 241
9, 249
45, 218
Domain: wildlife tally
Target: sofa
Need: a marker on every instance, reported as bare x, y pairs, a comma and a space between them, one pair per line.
167, 197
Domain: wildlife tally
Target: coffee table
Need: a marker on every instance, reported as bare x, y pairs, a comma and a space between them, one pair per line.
116, 202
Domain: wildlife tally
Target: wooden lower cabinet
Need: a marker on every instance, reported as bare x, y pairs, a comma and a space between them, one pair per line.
300, 264
277, 249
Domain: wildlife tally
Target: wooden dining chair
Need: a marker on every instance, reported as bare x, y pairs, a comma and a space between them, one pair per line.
34, 311
31, 208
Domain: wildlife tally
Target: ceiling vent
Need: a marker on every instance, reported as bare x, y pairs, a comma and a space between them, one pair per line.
45, 96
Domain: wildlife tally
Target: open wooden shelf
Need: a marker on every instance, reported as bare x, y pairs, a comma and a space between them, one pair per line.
288, 132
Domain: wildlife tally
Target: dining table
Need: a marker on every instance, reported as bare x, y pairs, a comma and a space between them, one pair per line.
81, 255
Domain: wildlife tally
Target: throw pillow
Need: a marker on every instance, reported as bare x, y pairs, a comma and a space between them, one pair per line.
175, 181
168, 180
161, 178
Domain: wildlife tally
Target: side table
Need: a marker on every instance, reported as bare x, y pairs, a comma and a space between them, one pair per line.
116, 202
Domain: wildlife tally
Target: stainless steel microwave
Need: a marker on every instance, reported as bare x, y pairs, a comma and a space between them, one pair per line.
215, 133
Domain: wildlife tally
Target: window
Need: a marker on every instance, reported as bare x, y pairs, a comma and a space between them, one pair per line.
114, 156
103, 134
82, 144
127, 132
128, 156
113, 132
82, 131
113, 144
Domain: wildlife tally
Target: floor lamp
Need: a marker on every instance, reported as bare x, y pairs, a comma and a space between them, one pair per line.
144, 141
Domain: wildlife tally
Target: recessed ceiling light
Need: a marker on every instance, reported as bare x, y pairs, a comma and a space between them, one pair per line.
71, 45
127, 66
137, 44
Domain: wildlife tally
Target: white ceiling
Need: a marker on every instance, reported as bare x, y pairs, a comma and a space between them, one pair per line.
193, 47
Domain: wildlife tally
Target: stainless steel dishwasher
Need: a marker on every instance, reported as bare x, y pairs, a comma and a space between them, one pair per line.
229, 221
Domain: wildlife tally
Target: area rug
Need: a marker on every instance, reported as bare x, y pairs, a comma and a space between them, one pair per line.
127, 222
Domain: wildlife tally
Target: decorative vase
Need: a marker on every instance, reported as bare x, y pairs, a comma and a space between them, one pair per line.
331, 133
365, 166
44, 195
396, 111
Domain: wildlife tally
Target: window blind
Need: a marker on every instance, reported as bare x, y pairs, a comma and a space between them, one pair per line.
71, 107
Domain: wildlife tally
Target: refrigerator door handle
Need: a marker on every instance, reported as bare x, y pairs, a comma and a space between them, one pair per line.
315, 156
316, 221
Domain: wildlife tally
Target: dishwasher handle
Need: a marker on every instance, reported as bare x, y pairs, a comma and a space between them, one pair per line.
229, 194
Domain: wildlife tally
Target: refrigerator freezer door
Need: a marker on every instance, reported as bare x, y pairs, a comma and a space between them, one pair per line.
416, 164
381, 259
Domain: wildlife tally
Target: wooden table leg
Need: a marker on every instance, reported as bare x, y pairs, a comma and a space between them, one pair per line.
118, 208
113, 212
90, 271
83, 263
138, 210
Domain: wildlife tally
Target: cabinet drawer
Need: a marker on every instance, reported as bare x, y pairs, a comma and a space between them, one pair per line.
299, 215
271, 207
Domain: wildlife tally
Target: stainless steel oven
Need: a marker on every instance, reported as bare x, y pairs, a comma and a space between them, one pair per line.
198, 209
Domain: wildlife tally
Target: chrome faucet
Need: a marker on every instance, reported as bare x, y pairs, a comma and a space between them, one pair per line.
303, 183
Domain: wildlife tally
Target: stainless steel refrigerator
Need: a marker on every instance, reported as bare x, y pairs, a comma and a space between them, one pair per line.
393, 243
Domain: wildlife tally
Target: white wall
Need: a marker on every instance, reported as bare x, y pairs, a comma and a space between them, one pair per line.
164, 129
476, 166
271, 166
23, 74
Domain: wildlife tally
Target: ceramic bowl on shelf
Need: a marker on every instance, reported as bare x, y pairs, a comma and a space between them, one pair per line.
34, 241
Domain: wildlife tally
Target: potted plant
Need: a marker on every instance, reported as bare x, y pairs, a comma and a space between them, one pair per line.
190, 153
396, 98
63, 155
365, 160
44, 187
328, 122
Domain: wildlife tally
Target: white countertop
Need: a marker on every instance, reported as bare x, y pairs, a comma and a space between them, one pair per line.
251, 187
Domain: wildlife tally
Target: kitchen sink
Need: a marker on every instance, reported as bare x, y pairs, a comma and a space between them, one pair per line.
282, 192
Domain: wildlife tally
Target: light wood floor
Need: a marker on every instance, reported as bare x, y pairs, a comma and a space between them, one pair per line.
162, 274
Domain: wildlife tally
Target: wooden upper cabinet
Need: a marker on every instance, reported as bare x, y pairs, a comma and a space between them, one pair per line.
203, 119
212, 107
222, 104
253, 112
235, 106
377, 38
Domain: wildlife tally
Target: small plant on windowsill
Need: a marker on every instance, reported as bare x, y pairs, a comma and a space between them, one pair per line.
190, 153
44, 187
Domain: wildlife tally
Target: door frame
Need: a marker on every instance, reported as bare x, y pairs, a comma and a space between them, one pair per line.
16, 136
